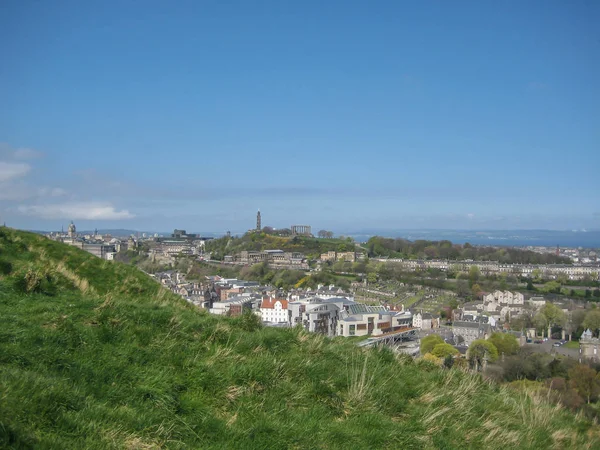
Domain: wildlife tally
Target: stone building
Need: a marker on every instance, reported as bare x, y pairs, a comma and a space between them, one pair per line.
72, 230
588, 347
338, 256
471, 331
275, 258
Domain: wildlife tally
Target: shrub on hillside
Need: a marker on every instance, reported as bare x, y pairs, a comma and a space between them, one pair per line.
443, 350
249, 321
34, 282
5, 267
505, 343
480, 351
429, 342
449, 361
433, 359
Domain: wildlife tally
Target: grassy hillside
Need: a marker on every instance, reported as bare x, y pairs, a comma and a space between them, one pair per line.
312, 247
97, 355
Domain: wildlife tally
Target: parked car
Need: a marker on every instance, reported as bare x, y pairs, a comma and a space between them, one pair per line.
556, 344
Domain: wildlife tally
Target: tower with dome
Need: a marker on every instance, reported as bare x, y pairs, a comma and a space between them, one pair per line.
72, 230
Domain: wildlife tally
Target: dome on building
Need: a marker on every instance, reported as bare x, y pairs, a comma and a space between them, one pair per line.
72, 229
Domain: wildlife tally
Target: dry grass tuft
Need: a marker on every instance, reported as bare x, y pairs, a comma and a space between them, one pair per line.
359, 381
82, 284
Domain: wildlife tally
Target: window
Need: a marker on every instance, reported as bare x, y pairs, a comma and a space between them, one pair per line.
352, 330
341, 329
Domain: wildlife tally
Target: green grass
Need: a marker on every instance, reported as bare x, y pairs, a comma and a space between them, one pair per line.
571, 344
110, 360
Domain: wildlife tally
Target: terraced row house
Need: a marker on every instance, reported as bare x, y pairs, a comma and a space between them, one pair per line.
275, 258
548, 271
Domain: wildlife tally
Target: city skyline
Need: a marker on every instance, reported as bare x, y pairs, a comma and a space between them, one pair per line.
344, 116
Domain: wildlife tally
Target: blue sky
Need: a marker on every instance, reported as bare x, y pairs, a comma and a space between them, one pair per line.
343, 115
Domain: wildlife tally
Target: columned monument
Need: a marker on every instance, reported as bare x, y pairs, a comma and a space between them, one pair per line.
301, 230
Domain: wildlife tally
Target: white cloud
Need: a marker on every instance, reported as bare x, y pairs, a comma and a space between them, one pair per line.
9, 152
76, 211
16, 180
470, 215
20, 190
51, 192
16, 191
9, 171
27, 153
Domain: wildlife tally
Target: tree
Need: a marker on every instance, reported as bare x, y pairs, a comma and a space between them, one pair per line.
592, 320
429, 342
453, 303
481, 350
505, 343
551, 287
562, 278
322, 233
372, 278
549, 315
462, 288
576, 320
474, 274
476, 289
443, 350
585, 381
540, 322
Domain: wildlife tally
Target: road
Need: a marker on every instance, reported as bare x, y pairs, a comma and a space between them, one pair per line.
548, 347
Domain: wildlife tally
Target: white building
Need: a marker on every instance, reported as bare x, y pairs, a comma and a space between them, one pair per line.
424, 321
363, 320
274, 310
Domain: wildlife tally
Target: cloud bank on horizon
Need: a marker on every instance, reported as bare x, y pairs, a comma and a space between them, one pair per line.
19, 185
96, 200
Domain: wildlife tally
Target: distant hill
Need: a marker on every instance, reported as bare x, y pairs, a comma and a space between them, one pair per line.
378, 246
96, 355
310, 246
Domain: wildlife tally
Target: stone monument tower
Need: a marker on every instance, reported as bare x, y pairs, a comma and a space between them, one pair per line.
258, 224
72, 230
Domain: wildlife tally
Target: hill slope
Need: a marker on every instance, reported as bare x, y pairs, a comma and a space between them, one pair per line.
310, 246
96, 355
